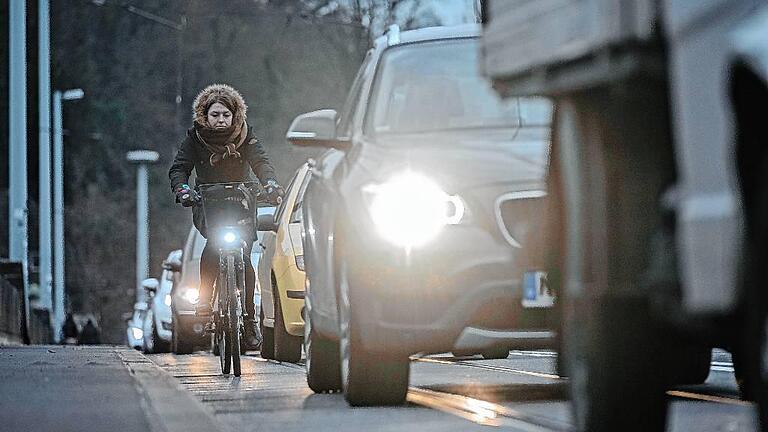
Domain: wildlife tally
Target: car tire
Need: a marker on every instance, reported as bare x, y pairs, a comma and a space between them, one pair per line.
368, 379
159, 345
148, 342
690, 365
322, 362
267, 339
611, 342
287, 346
178, 344
495, 353
750, 346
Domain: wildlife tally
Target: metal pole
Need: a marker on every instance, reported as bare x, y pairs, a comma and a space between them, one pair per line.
142, 229
17, 141
44, 85
58, 215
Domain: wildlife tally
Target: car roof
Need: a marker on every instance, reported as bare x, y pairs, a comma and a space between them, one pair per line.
434, 33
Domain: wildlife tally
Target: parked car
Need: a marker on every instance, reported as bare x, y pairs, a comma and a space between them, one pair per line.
188, 329
281, 275
135, 326
425, 217
158, 321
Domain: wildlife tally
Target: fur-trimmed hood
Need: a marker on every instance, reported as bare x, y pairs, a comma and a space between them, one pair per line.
223, 94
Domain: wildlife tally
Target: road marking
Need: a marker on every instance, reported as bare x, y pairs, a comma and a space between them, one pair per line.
482, 412
488, 367
709, 398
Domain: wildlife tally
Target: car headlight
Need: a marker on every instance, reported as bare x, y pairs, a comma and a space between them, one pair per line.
191, 295
230, 237
137, 333
410, 209
167, 300
300, 262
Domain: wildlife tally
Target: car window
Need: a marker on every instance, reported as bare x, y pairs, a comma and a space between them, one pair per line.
281, 207
296, 213
436, 86
344, 128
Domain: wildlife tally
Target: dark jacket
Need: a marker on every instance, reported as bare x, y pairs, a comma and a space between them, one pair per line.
192, 154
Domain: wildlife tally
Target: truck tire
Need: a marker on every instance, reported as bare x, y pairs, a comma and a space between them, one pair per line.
610, 178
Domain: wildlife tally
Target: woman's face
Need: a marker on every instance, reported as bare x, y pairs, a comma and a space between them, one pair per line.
219, 116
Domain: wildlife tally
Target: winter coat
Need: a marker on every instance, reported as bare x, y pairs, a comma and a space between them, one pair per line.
193, 154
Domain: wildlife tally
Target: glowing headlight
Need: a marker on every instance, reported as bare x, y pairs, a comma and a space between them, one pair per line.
230, 237
410, 209
137, 333
191, 295
167, 300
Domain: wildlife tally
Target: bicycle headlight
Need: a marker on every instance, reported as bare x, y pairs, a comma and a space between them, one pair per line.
410, 209
191, 295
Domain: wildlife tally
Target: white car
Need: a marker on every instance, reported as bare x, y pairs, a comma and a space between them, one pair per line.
158, 320
135, 326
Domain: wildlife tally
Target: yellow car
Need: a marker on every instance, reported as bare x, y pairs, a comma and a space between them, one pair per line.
282, 277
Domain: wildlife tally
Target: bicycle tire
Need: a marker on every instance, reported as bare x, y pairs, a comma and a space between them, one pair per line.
234, 317
222, 326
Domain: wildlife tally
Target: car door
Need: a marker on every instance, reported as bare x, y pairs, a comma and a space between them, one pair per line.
268, 245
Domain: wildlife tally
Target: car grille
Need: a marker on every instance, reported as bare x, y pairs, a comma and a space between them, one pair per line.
521, 218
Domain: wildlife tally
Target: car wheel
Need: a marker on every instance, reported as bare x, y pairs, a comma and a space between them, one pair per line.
178, 344
495, 353
148, 343
287, 346
611, 342
367, 378
690, 365
267, 339
322, 363
158, 344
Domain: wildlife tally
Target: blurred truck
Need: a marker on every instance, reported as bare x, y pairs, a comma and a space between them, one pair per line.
659, 167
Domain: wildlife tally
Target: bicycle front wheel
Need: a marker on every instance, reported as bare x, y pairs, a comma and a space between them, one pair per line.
234, 315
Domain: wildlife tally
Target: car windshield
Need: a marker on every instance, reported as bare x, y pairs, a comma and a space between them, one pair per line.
436, 86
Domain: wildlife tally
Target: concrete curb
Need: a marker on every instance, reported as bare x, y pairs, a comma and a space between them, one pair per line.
169, 407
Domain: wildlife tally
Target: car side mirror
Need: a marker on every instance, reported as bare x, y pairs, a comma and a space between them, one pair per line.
316, 129
150, 285
266, 222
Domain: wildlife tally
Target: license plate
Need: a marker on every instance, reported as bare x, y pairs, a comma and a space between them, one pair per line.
536, 290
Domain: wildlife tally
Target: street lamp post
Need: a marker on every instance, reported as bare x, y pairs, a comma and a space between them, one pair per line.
58, 206
142, 158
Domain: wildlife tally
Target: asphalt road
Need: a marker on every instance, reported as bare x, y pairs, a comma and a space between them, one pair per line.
520, 393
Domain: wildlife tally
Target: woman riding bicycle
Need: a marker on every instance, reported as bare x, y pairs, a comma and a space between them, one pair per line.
221, 147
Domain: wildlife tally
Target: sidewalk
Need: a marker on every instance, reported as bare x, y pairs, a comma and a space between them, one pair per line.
92, 388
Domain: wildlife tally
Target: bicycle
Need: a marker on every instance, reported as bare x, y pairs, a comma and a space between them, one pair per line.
230, 211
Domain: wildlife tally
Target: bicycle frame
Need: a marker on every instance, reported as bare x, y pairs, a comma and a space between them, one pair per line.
230, 220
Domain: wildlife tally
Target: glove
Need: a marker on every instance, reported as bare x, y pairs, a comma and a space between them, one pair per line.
274, 192
187, 196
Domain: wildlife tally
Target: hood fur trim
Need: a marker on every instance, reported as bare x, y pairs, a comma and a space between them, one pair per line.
223, 94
